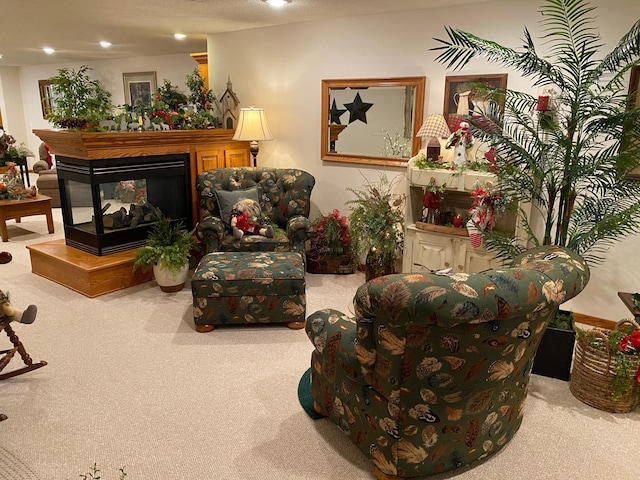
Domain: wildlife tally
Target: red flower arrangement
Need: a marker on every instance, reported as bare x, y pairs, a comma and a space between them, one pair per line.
331, 235
630, 345
487, 202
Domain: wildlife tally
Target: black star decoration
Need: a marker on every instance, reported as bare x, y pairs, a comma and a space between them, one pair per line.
358, 109
335, 113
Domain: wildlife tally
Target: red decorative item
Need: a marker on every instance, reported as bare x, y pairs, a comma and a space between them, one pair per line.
543, 103
457, 221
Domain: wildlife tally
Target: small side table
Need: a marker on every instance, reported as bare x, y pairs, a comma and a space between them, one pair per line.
40, 205
628, 302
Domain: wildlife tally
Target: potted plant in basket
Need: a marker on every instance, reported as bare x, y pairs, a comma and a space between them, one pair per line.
376, 222
569, 150
167, 251
330, 245
607, 367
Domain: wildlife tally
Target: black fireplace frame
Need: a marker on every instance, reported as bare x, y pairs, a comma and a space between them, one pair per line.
168, 188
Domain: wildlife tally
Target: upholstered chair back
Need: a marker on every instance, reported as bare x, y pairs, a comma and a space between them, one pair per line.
432, 372
284, 195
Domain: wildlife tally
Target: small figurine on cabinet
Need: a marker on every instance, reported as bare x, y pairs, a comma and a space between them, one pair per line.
461, 140
431, 201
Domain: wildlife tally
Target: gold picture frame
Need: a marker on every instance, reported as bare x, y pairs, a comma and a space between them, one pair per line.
634, 102
456, 84
139, 88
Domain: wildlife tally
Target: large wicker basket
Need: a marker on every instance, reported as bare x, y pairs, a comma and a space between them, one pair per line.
594, 368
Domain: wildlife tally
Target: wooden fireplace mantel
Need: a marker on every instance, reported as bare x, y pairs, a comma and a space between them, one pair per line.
99, 145
207, 149
91, 275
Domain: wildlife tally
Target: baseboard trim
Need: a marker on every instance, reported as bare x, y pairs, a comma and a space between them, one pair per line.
594, 321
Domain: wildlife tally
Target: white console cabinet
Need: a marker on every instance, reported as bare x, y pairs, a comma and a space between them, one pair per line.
431, 247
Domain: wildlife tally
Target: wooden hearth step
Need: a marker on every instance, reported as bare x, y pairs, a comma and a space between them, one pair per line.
83, 272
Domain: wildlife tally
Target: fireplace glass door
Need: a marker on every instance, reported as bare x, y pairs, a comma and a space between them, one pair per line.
109, 205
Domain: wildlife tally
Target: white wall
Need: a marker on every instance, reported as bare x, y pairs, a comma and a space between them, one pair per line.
25, 87
280, 69
13, 114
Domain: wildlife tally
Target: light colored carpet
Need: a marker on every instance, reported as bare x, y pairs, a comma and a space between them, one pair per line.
131, 383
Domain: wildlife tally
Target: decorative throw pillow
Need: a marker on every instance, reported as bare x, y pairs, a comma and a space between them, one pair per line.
228, 198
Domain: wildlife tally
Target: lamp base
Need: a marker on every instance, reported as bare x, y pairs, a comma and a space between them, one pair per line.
253, 148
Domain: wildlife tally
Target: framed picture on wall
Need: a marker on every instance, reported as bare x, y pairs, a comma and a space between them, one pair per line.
46, 97
139, 88
459, 96
634, 92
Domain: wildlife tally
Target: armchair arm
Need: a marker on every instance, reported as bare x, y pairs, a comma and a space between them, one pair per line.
299, 228
333, 335
210, 231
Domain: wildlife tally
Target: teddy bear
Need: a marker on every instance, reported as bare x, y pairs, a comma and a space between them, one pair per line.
244, 219
10, 314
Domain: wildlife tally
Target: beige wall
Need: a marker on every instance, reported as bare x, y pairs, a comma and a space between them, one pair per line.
280, 69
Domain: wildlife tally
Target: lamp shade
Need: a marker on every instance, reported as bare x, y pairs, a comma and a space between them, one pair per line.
434, 126
252, 125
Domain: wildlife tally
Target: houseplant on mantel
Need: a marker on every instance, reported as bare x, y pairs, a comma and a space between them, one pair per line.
167, 251
78, 100
567, 151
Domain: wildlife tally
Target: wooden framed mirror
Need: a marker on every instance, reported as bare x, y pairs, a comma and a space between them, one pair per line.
372, 121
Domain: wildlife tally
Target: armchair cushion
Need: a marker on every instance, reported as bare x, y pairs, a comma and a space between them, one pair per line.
432, 372
227, 199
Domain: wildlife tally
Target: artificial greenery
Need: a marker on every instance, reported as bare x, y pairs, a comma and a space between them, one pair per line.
376, 220
78, 100
169, 245
330, 236
423, 162
626, 360
9, 151
169, 97
202, 97
572, 163
563, 320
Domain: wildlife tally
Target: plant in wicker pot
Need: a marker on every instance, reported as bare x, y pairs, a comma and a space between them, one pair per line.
330, 245
606, 369
376, 223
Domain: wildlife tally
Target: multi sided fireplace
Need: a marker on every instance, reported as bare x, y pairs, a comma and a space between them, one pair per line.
109, 205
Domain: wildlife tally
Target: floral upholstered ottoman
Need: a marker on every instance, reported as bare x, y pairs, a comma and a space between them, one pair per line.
249, 287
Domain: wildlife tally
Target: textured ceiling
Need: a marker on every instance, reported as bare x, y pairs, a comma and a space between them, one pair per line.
139, 28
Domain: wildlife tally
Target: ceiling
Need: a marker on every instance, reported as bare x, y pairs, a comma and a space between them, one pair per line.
140, 28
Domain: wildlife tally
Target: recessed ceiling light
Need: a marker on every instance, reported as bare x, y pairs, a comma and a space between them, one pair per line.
104, 44
180, 36
48, 50
276, 3
0, 55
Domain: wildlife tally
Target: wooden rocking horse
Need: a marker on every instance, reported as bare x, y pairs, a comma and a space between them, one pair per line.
8, 315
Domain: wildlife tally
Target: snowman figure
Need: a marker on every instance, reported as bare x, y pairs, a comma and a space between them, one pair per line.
461, 140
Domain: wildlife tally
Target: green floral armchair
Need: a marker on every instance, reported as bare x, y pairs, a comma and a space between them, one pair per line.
433, 371
284, 197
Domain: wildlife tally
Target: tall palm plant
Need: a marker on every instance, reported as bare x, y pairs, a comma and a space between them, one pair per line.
571, 166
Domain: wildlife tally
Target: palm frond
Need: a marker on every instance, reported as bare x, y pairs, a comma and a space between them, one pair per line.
626, 51
570, 163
